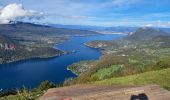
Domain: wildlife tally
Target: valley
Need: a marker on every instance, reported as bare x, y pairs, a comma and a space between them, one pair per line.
24, 71
84, 50
110, 60
126, 56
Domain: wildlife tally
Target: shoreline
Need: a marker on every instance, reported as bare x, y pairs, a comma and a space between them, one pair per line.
72, 71
51, 57
91, 46
100, 50
29, 58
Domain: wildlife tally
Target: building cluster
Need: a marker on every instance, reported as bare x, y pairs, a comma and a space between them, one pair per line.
7, 46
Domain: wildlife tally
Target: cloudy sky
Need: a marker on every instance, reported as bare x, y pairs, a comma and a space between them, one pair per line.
91, 12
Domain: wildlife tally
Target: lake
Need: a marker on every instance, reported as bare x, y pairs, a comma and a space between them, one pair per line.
31, 73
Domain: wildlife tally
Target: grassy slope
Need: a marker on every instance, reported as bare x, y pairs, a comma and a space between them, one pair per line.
26, 94
106, 72
23, 96
160, 77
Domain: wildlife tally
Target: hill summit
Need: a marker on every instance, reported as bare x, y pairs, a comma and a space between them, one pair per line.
146, 33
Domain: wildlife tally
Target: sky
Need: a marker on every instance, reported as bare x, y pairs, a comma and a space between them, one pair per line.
94, 12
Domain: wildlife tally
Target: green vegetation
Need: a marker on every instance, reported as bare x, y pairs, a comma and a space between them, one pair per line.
132, 61
23, 95
160, 77
104, 69
46, 85
11, 50
162, 64
143, 51
128, 61
7, 56
80, 67
28, 94
106, 72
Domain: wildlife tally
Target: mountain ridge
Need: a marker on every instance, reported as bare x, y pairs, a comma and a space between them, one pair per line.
38, 29
146, 33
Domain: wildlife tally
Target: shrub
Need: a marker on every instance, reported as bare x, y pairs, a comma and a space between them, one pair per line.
8, 92
46, 85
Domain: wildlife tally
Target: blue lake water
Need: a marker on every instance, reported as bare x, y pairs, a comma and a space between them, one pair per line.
31, 73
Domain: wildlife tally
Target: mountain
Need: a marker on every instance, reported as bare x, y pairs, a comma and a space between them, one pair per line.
29, 28
34, 34
121, 29
146, 49
11, 50
4, 39
20, 40
79, 27
103, 28
146, 33
96, 28
134, 38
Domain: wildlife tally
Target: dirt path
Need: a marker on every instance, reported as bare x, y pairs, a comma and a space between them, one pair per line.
103, 92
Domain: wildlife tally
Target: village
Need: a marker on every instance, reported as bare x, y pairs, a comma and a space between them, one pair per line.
7, 46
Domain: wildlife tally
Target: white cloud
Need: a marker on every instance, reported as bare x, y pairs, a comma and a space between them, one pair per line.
75, 11
165, 24
148, 25
13, 12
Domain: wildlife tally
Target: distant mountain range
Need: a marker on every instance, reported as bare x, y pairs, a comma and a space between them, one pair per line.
4, 39
82, 27
134, 38
96, 28
26, 40
125, 29
29, 28
43, 34
39, 34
